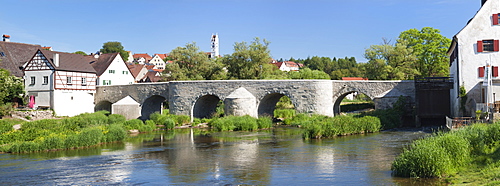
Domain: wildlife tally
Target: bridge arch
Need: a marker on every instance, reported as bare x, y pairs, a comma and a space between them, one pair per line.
342, 94
103, 105
268, 103
151, 105
205, 106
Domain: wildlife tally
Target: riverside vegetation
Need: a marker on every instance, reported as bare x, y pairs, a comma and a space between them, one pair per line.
471, 154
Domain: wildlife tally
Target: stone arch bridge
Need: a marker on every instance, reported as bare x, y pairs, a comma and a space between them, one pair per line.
244, 97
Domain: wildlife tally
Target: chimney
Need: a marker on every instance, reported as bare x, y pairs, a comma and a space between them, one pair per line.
56, 60
6, 38
482, 2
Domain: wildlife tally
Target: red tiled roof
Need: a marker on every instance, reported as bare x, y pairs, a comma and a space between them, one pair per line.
162, 56
69, 61
353, 78
145, 56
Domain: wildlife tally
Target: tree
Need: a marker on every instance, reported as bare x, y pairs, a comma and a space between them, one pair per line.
81, 52
390, 62
11, 87
306, 73
430, 49
189, 63
112, 47
248, 61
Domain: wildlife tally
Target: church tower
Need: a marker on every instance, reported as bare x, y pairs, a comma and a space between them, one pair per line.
214, 50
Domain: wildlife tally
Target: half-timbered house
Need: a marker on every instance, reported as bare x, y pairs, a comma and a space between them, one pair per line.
60, 81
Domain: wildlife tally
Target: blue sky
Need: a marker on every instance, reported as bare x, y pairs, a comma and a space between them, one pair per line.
295, 28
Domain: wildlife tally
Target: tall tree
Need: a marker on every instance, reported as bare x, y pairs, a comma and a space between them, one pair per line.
114, 46
390, 62
189, 63
248, 61
430, 48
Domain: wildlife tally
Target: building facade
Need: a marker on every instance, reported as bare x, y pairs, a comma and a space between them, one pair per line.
63, 82
474, 60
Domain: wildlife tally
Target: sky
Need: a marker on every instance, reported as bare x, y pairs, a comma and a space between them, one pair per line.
294, 28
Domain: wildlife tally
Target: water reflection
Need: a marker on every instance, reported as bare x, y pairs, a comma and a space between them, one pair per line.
197, 157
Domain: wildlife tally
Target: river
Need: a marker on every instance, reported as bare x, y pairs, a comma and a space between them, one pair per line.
195, 157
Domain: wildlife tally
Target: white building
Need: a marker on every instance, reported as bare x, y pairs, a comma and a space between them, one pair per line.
60, 81
158, 62
473, 49
111, 70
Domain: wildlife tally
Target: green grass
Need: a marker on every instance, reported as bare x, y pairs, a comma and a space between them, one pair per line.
80, 131
468, 156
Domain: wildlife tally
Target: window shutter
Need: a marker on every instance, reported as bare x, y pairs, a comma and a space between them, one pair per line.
481, 71
479, 46
495, 45
495, 71
495, 19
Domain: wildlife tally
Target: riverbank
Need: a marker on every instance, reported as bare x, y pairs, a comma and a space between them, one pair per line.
469, 156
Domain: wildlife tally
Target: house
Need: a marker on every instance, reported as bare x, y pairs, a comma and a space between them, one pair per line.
63, 82
142, 58
158, 62
474, 60
14, 55
288, 65
111, 69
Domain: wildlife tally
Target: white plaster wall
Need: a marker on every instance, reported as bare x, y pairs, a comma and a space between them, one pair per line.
118, 78
158, 62
479, 28
71, 103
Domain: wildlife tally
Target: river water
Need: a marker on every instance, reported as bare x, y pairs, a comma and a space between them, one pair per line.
195, 157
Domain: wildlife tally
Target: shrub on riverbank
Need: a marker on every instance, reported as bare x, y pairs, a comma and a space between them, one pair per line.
328, 127
284, 113
79, 131
240, 123
169, 120
445, 154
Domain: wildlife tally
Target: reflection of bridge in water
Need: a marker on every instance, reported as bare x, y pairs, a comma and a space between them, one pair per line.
244, 97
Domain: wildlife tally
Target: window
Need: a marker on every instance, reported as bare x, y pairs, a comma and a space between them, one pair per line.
495, 20
84, 81
494, 71
32, 80
124, 72
111, 71
69, 80
106, 82
45, 80
487, 46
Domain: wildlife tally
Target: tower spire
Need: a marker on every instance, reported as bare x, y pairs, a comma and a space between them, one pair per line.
214, 50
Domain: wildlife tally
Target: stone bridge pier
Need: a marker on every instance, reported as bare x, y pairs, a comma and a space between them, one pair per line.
243, 97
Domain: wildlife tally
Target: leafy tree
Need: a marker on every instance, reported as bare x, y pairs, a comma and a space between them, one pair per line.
430, 48
248, 61
390, 62
112, 47
81, 52
11, 88
306, 73
189, 63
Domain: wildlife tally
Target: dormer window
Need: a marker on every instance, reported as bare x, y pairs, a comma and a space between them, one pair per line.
487, 46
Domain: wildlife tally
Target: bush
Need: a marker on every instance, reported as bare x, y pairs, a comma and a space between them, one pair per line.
169, 123
235, 123
90, 136
116, 118
115, 133
133, 124
327, 127
264, 122
284, 113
